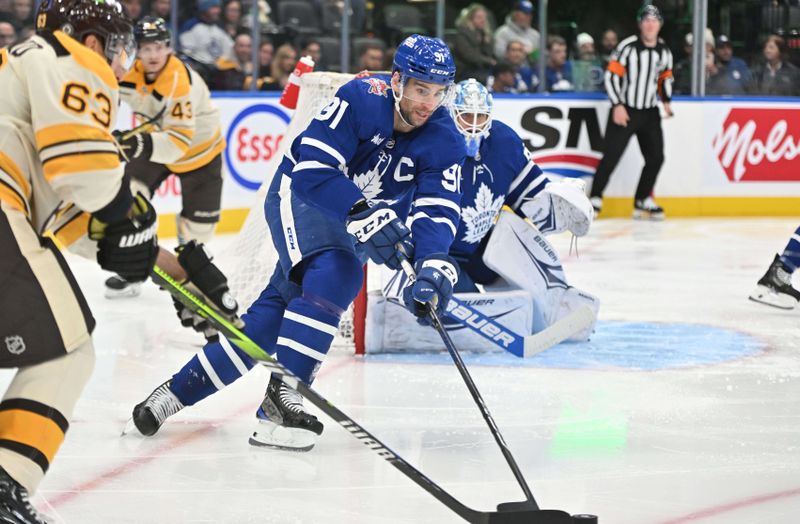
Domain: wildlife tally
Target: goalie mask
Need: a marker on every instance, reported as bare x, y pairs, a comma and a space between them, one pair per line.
472, 111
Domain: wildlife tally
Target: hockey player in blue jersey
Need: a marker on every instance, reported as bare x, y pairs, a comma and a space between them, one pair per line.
498, 171
381, 140
775, 287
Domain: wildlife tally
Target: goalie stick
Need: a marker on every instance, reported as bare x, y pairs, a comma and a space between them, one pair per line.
507, 513
523, 346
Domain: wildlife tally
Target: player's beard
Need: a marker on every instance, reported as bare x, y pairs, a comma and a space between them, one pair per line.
410, 116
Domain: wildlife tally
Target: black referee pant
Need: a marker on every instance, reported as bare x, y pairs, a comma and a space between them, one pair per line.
646, 125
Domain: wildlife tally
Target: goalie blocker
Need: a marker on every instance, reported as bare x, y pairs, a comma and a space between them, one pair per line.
531, 294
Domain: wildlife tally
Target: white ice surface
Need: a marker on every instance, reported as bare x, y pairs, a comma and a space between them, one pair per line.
717, 443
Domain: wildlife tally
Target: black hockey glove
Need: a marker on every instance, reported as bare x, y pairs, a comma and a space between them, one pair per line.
436, 276
384, 236
128, 247
209, 281
134, 147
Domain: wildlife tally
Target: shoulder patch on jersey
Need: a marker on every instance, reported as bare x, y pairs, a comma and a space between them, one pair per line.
377, 86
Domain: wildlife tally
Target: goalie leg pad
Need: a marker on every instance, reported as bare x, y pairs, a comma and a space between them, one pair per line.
561, 206
522, 256
572, 299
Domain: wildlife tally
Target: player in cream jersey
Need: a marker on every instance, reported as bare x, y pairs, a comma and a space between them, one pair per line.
181, 134
58, 107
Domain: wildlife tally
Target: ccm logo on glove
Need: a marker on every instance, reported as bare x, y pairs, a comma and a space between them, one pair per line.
365, 228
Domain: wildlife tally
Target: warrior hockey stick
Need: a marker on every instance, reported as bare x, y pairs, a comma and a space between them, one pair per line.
473, 389
508, 513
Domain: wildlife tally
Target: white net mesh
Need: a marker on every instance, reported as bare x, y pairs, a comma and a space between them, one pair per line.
252, 258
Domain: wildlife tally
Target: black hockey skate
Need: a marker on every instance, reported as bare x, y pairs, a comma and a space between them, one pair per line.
155, 409
118, 287
15, 508
775, 287
647, 209
283, 423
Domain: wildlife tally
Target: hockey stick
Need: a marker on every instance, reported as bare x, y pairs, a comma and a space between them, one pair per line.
508, 513
476, 396
519, 345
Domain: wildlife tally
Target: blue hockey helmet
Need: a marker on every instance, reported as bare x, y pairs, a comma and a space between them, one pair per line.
471, 109
425, 58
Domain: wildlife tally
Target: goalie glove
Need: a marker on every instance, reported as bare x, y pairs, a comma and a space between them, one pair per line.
128, 247
384, 236
133, 147
205, 280
436, 276
561, 206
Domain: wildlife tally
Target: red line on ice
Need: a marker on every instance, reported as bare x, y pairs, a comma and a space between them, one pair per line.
731, 506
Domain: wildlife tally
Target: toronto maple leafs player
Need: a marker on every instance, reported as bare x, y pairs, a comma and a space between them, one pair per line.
775, 287
381, 139
498, 173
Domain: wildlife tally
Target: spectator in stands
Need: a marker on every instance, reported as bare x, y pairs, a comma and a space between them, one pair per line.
201, 38
235, 69
504, 79
515, 55
558, 72
161, 9
739, 78
517, 27
133, 8
23, 12
282, 66
683, 69
232, 18
371, 58
608, 43
358, 11
265, 53
7, 34
312, 48
776, 76
587, 73
472, 48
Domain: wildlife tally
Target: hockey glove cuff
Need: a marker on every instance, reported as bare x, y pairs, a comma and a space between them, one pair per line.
128, 247
384, 236
206, 278
436, 276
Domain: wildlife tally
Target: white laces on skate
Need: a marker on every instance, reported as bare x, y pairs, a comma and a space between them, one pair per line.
163, 403
290, 399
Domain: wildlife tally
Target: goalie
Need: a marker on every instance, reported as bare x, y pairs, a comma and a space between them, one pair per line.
499, 177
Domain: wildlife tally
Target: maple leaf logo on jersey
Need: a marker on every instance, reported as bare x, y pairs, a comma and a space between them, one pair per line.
369, 183
479, 219
377, 87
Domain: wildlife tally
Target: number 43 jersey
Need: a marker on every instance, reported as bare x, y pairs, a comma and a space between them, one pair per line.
58, 107
350, 151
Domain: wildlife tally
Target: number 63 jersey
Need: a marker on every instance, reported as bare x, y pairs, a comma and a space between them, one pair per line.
350, 151
58, 107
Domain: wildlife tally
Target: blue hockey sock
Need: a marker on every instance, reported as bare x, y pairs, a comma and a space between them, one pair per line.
330, 282
791, 253
221, 363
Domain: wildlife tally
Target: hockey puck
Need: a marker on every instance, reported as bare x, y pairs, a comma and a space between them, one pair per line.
584, 518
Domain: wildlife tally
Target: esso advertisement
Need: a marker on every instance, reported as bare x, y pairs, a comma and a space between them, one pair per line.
759, 145
254, 136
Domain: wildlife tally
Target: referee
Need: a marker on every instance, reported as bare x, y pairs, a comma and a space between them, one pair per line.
640, 68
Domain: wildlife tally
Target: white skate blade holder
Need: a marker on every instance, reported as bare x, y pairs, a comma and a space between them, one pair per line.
768, 297
271, 435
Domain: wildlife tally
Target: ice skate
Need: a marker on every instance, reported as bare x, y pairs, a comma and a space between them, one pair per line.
118, 287
283, 423
155, 409
15, 508
647, 209
775, 287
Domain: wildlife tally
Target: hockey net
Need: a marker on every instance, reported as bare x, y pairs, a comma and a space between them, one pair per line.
252, 257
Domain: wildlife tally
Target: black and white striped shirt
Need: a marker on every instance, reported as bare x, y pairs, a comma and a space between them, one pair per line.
637, 73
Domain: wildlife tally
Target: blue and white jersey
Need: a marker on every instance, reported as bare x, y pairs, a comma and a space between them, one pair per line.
502, 173
350, 151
